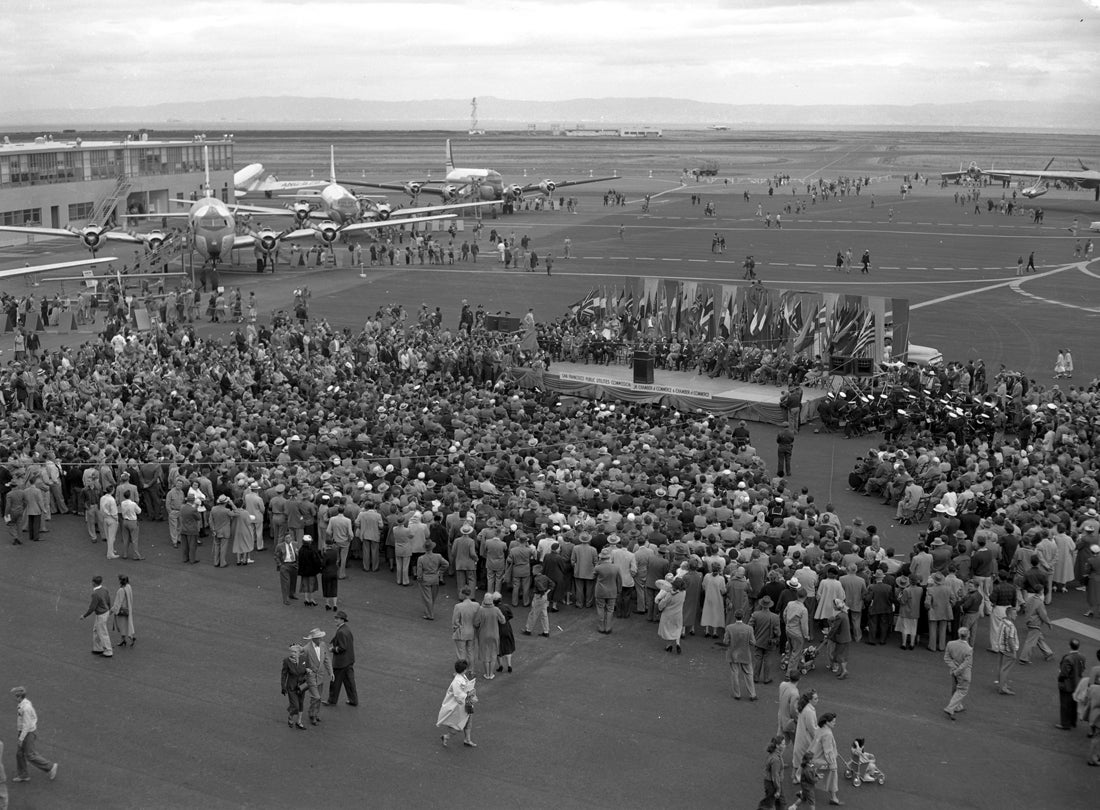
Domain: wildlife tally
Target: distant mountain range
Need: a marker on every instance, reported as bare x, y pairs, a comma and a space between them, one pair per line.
497, 114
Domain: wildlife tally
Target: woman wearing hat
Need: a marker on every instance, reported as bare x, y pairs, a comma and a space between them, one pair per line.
909, 601
487, 622
310, 565
292, 684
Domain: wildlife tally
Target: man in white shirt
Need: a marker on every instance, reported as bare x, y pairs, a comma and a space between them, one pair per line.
108, 512
27, 723
128, 512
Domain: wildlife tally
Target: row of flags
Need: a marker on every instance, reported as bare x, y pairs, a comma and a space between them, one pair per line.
819, 323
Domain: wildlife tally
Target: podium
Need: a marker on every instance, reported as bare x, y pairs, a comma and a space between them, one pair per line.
643, 367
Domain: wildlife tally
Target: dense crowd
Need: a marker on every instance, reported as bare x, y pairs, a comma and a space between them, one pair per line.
289, 425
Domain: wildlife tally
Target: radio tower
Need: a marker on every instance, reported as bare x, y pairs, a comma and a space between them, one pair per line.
473, 118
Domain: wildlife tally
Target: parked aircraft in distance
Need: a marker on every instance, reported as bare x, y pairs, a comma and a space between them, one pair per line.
212, 226
253, 180
478, 184
718, 127
334, 202
1085, 178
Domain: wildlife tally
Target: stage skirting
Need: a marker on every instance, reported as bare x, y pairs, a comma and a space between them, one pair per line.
684, 391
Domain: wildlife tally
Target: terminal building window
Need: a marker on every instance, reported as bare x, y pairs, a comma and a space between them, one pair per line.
80, 211
103, 164
25, 216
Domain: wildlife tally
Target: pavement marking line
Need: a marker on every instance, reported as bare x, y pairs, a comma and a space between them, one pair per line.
645, 259
1079, 628
692, 260
1033, 296
667, 259
1018, 280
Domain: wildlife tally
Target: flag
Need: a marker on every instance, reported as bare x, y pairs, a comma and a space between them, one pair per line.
706, 315
726, 325
585, 309
674, 311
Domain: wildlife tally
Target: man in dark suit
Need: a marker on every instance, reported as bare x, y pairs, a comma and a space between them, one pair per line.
286, 563
343, 662
291, 682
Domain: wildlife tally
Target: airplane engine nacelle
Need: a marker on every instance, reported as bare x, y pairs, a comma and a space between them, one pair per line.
268, 241
383, 211
450, 192
301, 212
92, 237
154, 239
547, 187
327, 232
1034, 191
513, 192
413, 188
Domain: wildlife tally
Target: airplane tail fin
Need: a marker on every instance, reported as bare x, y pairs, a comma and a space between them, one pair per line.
332, 164
207, 188
1084, 168
449, 161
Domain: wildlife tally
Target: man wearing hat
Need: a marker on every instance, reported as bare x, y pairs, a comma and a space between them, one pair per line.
940, 601
343, 662
464, 560
27, 725
318, 672
880, 608
765, 628
292, 682
959, 657
584, 571
608, 583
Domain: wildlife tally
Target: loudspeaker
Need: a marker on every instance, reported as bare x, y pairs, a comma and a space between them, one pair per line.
847, 366
643, 368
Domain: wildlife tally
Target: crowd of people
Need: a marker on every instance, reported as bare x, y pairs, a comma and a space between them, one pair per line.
404, 445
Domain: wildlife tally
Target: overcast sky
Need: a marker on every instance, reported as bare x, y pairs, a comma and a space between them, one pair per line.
64, 53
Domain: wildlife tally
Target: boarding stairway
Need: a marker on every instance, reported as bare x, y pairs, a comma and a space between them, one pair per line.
105, 206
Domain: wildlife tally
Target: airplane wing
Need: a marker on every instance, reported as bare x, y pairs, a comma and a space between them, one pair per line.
358, 227
1063, 176
116, 236
429, 209
424, 189
246, 241
566, 183
45, 268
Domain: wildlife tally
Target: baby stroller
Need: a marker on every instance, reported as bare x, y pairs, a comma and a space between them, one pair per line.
805, 660
862, 767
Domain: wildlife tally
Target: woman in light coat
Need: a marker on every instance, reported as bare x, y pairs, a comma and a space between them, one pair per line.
487, 622
823, 752
714, 609
806, 728
453, 714
670, 603
122, 611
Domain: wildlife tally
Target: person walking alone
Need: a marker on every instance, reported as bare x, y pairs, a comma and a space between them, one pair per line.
27, 724
458, 705
959, 657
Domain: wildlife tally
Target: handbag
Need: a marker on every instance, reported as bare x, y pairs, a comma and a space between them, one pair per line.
470, 704
123, 611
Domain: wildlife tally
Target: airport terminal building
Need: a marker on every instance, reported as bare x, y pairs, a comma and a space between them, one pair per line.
57, 184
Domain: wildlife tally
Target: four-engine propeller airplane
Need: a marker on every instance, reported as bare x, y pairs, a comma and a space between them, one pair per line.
478, 184
1085, 178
